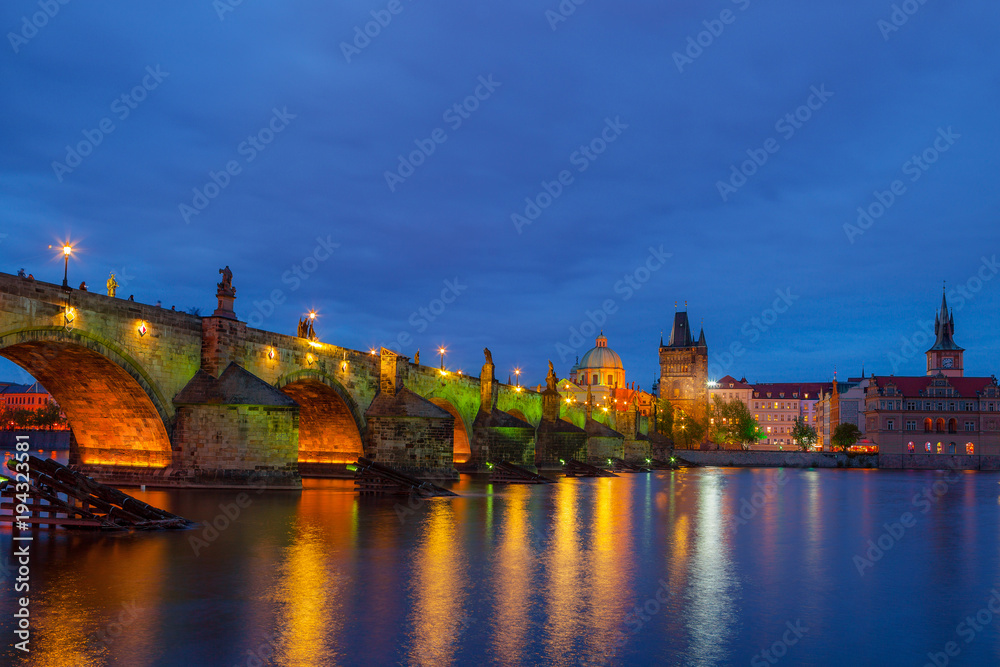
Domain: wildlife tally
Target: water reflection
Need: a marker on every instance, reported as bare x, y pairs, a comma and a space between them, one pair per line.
512, 577
713, 589
437, 588
526, 575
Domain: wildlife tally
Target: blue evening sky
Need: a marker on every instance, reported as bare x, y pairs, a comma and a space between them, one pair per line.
615, 124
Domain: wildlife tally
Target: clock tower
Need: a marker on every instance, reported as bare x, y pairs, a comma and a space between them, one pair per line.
945, 356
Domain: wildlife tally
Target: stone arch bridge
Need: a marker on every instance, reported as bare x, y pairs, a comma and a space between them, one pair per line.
162, 397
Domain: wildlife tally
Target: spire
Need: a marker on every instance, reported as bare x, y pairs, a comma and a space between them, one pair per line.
661, 337
701, 337
680, 334
944, 326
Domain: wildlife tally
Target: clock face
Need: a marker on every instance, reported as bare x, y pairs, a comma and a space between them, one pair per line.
948, 362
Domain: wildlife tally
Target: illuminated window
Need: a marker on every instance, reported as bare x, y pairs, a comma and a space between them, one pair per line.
970, 448
910, 447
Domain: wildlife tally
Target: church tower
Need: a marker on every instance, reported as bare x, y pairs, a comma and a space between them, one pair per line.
684, 368
945, 356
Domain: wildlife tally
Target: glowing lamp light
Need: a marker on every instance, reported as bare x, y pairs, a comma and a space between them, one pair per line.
310, 359
312, 314
69, 314
270, 353
343, 365
67, 250
314, 344
372, 351
142, 329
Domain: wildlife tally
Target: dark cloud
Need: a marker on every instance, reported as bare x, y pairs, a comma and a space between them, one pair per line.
656, 184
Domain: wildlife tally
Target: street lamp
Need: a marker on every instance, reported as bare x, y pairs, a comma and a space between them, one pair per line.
517, 374
66, 253
441, 351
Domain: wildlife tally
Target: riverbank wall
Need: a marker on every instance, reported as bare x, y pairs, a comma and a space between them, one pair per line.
772, 459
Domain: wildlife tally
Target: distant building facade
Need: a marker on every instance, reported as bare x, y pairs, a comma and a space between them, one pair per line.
600, 374
729, 388
943, 412
776, 406
684, 368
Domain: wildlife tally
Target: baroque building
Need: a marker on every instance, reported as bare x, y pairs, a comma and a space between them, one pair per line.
684, 368
942, 412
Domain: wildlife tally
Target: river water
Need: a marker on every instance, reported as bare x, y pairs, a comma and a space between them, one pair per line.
720, 564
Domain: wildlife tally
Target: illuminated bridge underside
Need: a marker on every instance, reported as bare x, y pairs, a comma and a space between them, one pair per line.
462, 451
113, 420
327, 431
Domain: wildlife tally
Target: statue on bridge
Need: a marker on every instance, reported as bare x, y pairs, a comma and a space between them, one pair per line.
305, 329
226, 286
489, 355
416, 358
551, 381
112, 285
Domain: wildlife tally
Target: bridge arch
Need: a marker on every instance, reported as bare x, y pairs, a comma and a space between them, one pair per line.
116, 412
330, 423
461, 450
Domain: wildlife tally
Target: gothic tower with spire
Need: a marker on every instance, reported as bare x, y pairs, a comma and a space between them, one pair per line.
684, 368
945, 357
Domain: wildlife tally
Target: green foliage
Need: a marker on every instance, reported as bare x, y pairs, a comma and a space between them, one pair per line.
733, 424
664, 416
688, 430
804, 434
22, 418
845, 435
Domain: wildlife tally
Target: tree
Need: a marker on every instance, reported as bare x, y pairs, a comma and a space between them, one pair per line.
688, 429
733, 424
664, 416
804, 434
845, 435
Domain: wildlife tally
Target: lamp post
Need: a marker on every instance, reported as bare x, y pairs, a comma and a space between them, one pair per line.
517, 375
441, 351
66, 252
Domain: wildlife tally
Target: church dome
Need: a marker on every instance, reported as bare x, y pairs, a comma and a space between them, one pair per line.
601, 356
